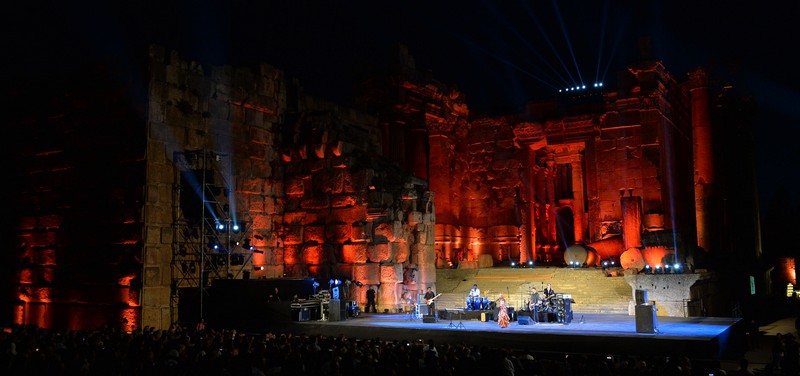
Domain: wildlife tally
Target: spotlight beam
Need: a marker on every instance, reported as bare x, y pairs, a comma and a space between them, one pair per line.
508, 63
505, 22
552, 47
601, 42
567, 40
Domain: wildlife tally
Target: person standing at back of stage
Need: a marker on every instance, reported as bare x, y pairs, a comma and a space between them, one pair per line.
371, 301
430, 300
548, 292
275, 296
502, 317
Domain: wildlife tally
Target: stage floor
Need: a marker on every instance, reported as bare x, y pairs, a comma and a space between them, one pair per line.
698, 337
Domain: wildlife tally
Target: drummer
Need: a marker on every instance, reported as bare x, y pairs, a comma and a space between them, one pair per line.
474, 298
475, 292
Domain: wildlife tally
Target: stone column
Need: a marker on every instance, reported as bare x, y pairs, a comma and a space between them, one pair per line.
631, 220
527, 230
577, 205
703, 156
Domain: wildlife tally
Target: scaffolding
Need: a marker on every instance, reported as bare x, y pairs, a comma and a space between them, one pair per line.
210, 241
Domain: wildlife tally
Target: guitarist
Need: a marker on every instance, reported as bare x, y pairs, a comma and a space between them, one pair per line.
430, 299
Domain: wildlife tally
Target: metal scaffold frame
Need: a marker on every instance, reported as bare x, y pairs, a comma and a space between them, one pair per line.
206, 245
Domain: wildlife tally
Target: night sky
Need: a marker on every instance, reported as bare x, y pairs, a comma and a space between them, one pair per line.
498, 55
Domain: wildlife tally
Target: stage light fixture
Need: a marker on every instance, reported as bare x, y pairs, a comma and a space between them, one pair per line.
220, 226
530, 263
235, 228
513, 264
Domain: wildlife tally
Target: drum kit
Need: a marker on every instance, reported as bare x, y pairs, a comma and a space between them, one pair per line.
547, 305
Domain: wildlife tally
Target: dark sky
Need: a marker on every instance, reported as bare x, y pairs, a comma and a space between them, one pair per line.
498, 55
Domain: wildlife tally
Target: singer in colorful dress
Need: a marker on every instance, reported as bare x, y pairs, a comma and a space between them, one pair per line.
502, 317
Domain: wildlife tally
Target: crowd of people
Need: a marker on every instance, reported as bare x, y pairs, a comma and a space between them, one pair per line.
29, 350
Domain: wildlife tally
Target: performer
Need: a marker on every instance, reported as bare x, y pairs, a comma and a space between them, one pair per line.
474, 298
548, 292
408, 305
502, 317
535, 304
275, 296
371, 300
430, 298
475, 292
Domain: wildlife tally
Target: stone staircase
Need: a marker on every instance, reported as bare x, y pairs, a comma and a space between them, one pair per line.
592, 291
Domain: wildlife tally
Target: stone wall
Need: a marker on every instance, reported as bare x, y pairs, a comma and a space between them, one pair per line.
306, 177
79, 173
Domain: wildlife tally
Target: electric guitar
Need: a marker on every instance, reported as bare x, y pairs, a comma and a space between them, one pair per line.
429, 301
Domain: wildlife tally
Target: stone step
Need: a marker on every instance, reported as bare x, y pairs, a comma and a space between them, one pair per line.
591, 289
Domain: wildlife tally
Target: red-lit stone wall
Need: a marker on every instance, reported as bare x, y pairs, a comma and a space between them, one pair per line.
79, 215
517, 190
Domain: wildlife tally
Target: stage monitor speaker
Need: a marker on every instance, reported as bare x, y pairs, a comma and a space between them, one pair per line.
429, 319
645, 318
524, 320
641, 297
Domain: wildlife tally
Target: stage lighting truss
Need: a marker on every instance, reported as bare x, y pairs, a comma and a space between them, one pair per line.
209, 233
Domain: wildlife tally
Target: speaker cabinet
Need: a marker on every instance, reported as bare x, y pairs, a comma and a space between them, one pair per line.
337, 310
645, 318
524, 320
429, 319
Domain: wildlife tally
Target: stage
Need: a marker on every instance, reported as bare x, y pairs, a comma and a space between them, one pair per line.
697, 337
712, 338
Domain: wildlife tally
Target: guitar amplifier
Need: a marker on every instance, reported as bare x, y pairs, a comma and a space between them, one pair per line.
421, 310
